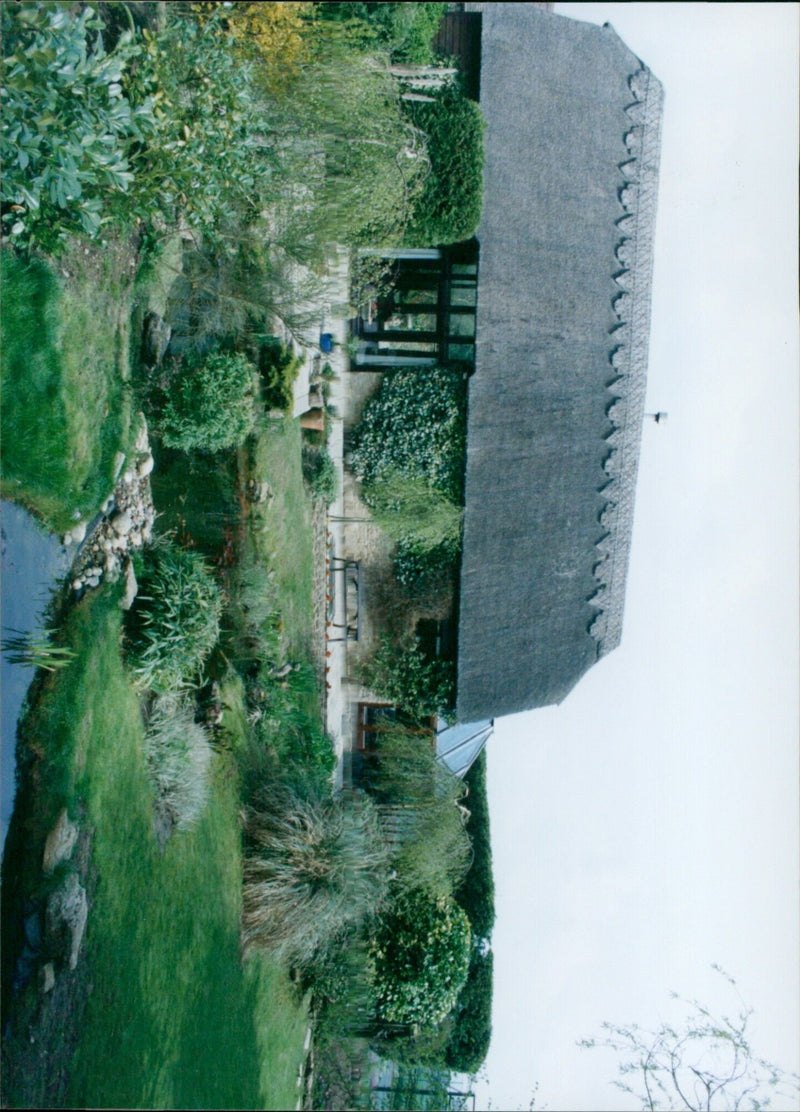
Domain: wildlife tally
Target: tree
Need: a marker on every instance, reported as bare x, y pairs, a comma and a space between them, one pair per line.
707, 1064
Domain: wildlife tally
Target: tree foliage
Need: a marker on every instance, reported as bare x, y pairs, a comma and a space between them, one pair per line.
420, 953
449, 208
476, 892
406, 30
705, 1064
472, 1016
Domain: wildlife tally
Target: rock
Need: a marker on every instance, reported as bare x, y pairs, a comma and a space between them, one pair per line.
141, 437
47, 978
66, 540
127, 478
131, 586
59, 844
144, 466
77, 584
156, 334
65, 920
121, 523
78, 533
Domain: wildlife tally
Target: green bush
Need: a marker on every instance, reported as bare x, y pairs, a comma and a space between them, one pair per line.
210, 403
414, 426
278, 366
68, 125
174, 623
401, 674
320, 473
312, 867
178, 755
449, 207
420, 955
426, 571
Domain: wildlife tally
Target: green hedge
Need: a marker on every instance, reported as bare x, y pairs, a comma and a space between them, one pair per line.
449, 208
472, 1017
476, 893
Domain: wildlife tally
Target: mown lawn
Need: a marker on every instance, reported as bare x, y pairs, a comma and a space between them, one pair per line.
67, 407
281, 531
173, 1018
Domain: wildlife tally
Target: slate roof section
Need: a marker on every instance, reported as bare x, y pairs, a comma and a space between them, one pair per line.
556, 403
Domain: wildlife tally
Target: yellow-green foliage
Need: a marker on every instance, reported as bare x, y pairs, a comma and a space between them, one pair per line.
274, 34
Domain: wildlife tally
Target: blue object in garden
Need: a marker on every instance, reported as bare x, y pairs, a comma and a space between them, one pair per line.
326, 342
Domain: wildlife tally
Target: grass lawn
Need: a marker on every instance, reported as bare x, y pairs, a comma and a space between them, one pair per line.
281, 531
173, 1018
67, 407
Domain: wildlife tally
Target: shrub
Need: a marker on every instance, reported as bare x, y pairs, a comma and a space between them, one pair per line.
320, 473
312, 866
68, 126
406, 30
408, 508
401, 674
472, 1017
449, 207
210, 403
414, 426
426, 571
178, 755
174, 623
420, 954
278, 366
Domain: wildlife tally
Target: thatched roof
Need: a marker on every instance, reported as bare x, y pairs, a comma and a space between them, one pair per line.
557, 400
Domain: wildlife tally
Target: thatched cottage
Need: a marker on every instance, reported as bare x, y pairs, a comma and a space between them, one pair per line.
559, 288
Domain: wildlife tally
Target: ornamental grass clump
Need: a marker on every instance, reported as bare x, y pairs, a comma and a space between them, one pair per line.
210, 403
420, 955
174, 623
312, 866
178, 755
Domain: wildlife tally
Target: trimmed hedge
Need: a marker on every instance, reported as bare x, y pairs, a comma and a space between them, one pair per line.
449, 208
476, 894
472, 1017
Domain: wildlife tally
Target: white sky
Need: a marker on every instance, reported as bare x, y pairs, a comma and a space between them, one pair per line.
649, 826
